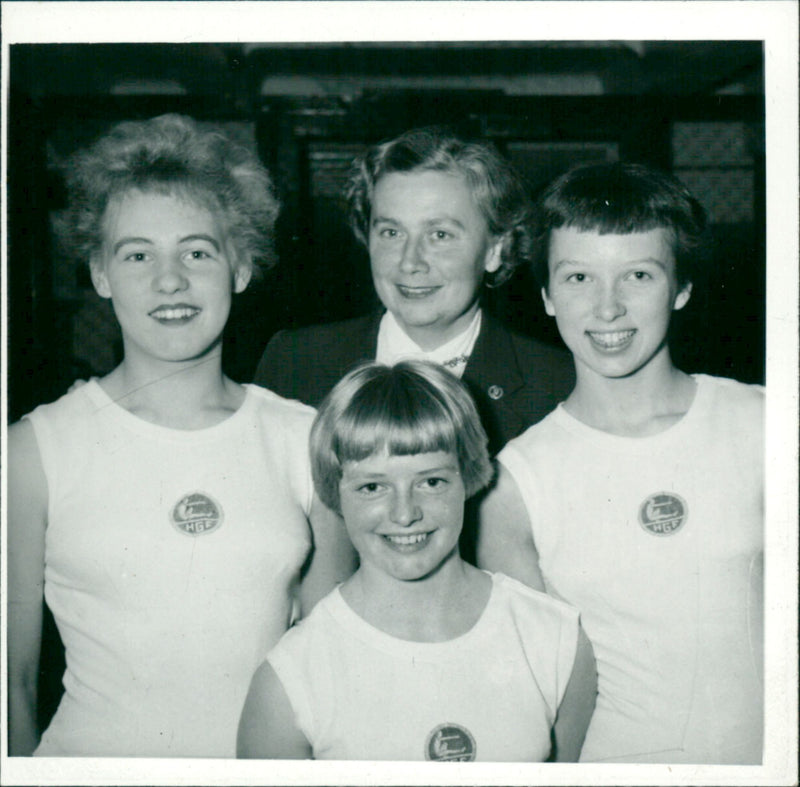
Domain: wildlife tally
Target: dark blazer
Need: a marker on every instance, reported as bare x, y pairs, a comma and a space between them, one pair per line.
515, 380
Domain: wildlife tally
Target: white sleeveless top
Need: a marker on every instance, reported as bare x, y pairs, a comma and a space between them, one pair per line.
171, 559
491, 694
658, 541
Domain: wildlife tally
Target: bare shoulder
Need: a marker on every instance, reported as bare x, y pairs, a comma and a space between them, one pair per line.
24, 460
267, 727
27, 483
503, 510
505, 536
20, 433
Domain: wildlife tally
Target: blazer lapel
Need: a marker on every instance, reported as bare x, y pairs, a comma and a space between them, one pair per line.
359, 341
493, 365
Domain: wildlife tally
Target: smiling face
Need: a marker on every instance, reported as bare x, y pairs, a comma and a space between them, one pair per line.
429, 247
403, 513
169, 271
612, 296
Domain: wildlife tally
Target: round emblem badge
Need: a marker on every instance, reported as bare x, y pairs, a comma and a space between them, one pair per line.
663, 514
450, 743
196, 514
496, 392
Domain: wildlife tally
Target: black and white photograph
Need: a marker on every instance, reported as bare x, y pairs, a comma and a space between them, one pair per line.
399, 393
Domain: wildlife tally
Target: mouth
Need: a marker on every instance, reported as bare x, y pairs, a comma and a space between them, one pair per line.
611, 340
177, 314
416, 293
407, 542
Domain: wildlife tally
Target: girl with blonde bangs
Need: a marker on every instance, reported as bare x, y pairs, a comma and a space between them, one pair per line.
419, 655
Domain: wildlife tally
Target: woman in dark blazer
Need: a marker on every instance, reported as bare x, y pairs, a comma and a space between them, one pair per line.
440, 218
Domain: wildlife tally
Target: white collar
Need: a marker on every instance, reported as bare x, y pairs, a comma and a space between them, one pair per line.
395, 345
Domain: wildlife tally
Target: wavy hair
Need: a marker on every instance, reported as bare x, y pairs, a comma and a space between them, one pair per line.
171, 154
498, 190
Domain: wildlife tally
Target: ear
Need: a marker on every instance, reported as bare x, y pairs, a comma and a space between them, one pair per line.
241, 277
548, 304
494, 255
97, 270
682, 298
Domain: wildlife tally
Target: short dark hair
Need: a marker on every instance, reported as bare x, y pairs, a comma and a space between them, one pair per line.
499, 192
621, 198
171, 154
410, 408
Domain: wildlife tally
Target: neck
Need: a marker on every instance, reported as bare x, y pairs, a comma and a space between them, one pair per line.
432, 337
436, 608
642, 404
181, 395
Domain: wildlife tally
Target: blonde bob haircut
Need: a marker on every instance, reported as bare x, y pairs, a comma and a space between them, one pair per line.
412, 407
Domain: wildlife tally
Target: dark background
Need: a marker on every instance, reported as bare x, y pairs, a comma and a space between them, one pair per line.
693, 108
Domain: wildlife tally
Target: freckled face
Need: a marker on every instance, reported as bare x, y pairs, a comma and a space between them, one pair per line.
404, 513
429, 247
168, 268
613, 296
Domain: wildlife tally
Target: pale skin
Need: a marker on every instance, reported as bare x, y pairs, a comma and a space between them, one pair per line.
612, 297
159, 251
430, 247
404, 515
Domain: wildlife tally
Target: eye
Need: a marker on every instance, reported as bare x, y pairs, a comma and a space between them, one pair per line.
389, 233
434, 483
640, 276
577, 278
137, 256
370, 488
438, 235
198, 255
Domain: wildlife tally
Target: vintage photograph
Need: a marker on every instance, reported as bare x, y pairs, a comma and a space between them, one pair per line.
393, 400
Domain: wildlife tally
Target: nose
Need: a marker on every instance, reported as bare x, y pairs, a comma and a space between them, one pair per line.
170, 277
404, 509
413, 259
608, 303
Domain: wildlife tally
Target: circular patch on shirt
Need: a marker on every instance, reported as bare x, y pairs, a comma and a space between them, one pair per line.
196, 514
663, 514
450, 743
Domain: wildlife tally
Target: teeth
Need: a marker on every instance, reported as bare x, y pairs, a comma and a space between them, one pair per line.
416, 292
407, 540
611, 339
174, 314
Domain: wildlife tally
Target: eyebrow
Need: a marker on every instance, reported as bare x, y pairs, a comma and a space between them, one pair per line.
643, 261
124, 241
429, 223
440, 468
188, 239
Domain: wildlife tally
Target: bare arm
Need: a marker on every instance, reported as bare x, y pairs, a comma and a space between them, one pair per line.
27, 521
267, 727
577, 705
505, 538
332, 560
505, 543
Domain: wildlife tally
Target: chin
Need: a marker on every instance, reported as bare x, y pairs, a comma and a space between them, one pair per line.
412, 573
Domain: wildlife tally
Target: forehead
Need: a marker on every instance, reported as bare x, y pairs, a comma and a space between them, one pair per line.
157, 212
424, 192
384, 463
569, 244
